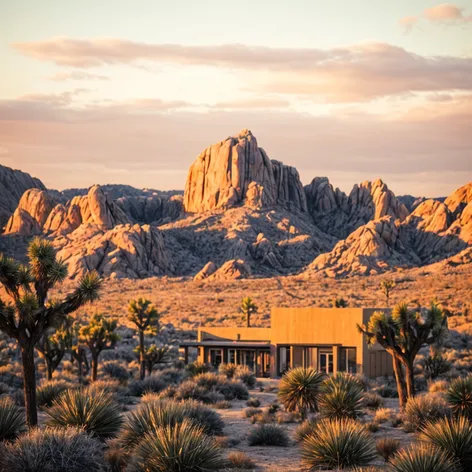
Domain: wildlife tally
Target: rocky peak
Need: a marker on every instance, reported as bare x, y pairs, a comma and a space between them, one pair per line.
459, 199
237, 171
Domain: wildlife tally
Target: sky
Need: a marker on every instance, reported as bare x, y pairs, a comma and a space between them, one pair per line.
131, 92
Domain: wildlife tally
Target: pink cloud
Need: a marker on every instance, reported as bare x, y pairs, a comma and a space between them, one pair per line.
76, 75
408, 22
446, 12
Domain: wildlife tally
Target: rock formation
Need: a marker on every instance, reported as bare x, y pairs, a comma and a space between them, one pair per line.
232, 269
151, 210
13, 183
237, 171
208, 269
31, 213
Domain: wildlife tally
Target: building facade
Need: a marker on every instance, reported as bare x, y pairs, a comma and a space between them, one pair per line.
326, 339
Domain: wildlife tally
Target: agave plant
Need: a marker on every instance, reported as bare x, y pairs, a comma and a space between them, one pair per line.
184, 446
299, 390
95, 412
12, 420
422, 458
58, 450
453, 436
337, 444
342, 396
459, 396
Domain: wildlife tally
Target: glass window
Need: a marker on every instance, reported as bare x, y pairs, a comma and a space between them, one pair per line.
232, 356
347, 360
284, 359
216, 357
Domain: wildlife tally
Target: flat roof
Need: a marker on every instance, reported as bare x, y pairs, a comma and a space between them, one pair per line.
225, 343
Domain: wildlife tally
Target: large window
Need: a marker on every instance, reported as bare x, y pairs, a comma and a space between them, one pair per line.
347, 360
326, 364
216, 357
284, 359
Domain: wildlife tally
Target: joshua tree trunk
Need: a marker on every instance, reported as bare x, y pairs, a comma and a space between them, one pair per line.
49, 369
94, 365
142, 362
400, 378
410, 379
29, 380
149, 368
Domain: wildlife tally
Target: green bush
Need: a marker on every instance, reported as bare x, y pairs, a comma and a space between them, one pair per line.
338, 444
422, 458
183, 447
459, 396
387, 447
299, 390
268, 435
150, 416
341, 397
12, 420
423, 408
49, 391
95, 412
53, 450
453, 436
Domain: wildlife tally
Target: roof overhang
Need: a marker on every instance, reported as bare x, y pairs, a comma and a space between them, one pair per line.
255, 344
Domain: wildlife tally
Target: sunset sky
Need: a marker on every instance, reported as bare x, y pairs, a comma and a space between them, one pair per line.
132, 91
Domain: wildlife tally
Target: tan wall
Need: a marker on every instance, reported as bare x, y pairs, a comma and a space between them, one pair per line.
245, 334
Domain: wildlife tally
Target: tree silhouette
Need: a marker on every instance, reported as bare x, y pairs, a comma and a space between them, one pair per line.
28, 314
98, 335
248, 308
144, 315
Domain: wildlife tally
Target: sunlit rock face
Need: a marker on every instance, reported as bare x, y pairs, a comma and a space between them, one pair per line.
237, 171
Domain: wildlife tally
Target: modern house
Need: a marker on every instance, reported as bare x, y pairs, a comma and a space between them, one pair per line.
324, 338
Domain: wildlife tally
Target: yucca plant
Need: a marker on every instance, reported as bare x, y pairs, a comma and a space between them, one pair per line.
178, 448
150, 416
28, 312
453, 436
95, 412
422, 458
299, 390
12, 420
49, 391
268, 435
337, 444
459, 396
341, 396
53, 450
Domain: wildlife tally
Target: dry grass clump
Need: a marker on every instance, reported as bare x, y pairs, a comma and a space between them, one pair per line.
253, 402
372, 400
387, 447
422, 409
240, 460
382, 415
268, 435
305, 429
438, 386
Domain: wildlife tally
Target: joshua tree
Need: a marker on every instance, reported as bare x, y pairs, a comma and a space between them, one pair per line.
387, 286
154, 355
143, 314
402, 333
98, 335
53, 345
28, 315
248, 308
340, 303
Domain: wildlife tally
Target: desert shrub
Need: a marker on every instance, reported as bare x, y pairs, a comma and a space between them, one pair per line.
4, 388
196, 368
190, 390
183, 447
372, 426
96, 413
453, 436
245, 375
170, 376
337, 444
286, 417
115, 370
387, 447
383, 414
273, 408
422, 458
152, 383
268, 435
387, 391
12, 379
12, 420
264, 417
49, 391
369, 468
438, 386
168, 392
397, 420
150, 416
304, 429
341, 397
234, 389
459, 396
254, 402
372, 400
119, 392
299, 390
435, 365
116, 457
209, 380
240, 460
53, 450
424, 408
229, 370
223, 405
251, 411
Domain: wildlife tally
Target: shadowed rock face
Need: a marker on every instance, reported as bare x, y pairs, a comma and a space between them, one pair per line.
13, 184
237, 171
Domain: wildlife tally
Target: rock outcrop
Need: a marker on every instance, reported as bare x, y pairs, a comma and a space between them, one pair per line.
125, 251
233, 269
237, 171
151, 210
338, 214
208, 269
31, 214
13, 184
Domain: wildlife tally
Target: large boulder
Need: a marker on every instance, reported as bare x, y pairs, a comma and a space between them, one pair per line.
233, 269
13, 184
236, 171
31, 214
